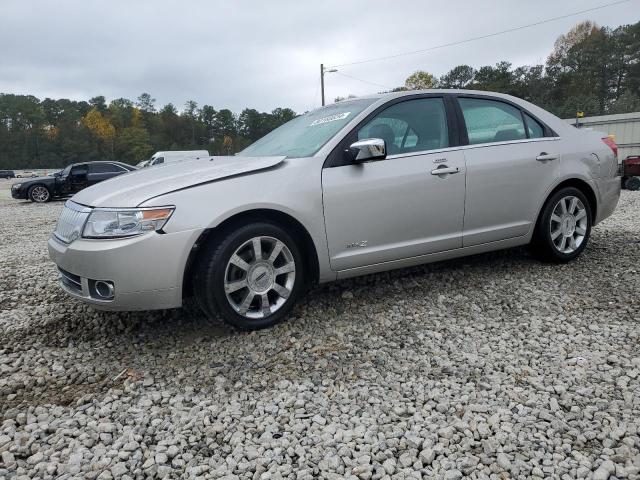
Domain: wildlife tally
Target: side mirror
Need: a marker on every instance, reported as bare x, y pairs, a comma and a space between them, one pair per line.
368, 149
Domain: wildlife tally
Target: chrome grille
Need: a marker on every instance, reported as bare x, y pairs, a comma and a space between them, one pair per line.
71, 222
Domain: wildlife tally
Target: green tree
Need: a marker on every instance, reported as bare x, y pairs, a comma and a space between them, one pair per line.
458, 77
420, 80
146, 103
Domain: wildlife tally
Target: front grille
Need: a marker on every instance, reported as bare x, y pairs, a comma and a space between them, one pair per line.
71, 281
71, 222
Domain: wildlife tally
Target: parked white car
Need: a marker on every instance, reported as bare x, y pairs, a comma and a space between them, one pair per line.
160, 158
353, 188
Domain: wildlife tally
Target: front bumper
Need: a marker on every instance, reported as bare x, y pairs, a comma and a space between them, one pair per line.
146, 271
19, 193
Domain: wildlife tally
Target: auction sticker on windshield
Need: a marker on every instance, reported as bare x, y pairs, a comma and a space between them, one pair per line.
330, 118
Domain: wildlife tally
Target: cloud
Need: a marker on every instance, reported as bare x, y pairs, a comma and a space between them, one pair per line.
261, 54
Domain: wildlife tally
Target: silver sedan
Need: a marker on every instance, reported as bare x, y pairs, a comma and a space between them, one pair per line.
356, 187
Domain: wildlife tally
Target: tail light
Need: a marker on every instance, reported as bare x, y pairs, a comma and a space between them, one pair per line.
614, 148
612, 145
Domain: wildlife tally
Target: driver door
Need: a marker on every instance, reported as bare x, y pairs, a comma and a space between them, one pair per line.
399, 207
78, 179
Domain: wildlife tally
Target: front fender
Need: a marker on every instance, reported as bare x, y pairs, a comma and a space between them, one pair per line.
294, 189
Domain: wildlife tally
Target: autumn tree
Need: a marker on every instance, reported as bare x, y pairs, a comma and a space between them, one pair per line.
420, 80
100, 127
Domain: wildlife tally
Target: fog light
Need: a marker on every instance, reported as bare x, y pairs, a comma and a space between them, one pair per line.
103, 290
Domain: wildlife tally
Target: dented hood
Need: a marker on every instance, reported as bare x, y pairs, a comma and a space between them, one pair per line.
132, 189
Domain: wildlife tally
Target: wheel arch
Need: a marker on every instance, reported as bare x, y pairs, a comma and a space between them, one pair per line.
581, 185
39, 184
284, 220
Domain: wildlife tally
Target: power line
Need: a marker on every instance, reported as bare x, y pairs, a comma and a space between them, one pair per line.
481, 37
363, 81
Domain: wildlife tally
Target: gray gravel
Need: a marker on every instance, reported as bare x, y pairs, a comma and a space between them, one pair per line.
495, 366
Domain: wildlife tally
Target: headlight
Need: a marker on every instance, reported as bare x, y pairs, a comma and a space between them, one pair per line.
125, 222
16, 185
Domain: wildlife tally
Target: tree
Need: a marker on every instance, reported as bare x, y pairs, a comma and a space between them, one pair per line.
420, 80
146, 103
133, 145
458, 77
495, 79
627, 102
100, 127
99, 103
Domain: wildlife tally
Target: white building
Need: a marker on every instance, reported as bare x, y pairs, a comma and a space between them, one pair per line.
625, 127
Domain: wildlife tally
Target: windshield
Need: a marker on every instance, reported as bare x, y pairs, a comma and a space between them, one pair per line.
305, 135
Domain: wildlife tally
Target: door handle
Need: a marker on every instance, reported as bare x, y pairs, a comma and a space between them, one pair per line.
443, 170
544, 156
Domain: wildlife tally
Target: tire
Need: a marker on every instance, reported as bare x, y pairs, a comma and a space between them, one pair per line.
39, 194
229, 272
632, 183
561, 235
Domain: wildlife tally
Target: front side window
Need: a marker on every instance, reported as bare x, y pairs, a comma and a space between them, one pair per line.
410, 126
491, 121
79, 171
305, 135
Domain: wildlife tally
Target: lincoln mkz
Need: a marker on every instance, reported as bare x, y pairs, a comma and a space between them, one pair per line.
357, 187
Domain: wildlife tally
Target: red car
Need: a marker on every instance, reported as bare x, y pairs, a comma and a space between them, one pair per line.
631, 172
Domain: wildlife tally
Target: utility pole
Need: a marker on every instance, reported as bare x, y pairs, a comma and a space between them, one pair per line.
322, 72
322, 82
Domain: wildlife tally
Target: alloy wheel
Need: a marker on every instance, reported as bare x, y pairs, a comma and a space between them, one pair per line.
568, 224
259, 277
40, 194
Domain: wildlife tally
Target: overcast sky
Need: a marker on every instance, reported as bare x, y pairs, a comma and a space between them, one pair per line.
263, 54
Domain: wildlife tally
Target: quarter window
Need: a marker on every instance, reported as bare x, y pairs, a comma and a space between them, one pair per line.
534, 128
491, 121
411, 126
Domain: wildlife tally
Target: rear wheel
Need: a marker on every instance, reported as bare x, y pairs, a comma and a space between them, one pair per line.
564, 226
39, 194
251, 277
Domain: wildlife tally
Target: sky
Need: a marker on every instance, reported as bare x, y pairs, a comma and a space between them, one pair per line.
265, 54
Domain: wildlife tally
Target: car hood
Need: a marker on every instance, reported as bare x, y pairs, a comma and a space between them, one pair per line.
134, 188
25, 181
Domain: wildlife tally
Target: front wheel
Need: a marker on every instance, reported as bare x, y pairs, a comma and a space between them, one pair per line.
564, 226
251, 277
39, 194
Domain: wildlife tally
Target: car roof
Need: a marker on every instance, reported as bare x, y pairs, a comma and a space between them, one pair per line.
455, 91
101, 161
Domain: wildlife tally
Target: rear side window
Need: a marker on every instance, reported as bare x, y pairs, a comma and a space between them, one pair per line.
105, 168
491, 121
534, 128
410, 126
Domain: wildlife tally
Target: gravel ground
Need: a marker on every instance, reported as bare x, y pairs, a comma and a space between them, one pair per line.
495, 366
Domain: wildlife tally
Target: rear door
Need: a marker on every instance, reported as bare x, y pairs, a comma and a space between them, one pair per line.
399, 207
512, 159
102, 171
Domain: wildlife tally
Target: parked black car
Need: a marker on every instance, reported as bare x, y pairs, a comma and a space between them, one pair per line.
69, 181
7, 174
